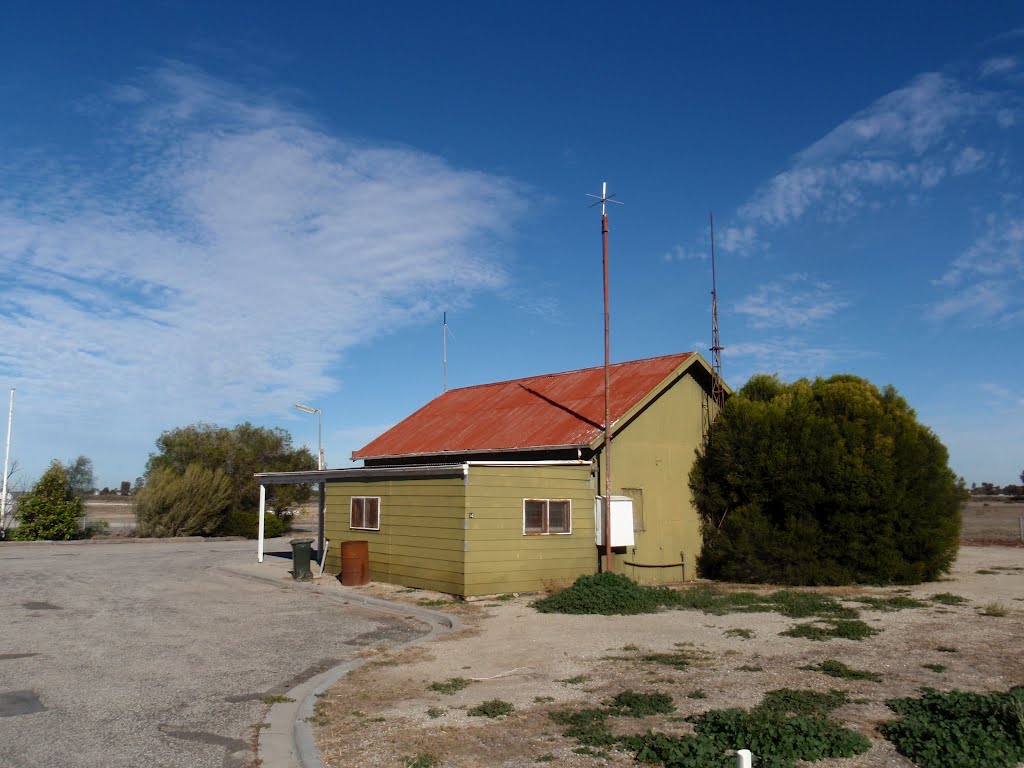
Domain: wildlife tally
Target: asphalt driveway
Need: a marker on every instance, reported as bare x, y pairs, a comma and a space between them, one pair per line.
149, 654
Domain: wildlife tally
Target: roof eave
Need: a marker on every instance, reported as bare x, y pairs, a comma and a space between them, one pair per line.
472, 452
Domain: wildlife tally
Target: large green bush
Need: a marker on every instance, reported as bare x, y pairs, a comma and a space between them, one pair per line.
830, 481
50, 510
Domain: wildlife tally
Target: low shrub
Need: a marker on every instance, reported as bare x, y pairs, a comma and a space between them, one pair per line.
605, 594
493, 708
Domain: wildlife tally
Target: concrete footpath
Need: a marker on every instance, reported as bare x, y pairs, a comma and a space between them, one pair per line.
288, 741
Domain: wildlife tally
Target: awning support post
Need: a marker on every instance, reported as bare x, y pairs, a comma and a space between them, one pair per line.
263, 511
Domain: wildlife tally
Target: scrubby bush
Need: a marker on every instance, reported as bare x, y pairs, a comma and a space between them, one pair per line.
194, 503
50, 510
824, 482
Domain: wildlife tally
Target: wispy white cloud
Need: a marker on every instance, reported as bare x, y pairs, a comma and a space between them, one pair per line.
998, 65
226, 255
985, 283
683, 253
908, 141
795, 301
790, 357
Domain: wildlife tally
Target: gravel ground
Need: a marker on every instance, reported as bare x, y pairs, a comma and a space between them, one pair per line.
385, 711
147, 654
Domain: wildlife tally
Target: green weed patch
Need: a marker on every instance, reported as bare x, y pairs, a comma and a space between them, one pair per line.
835, 668
948, 598
848, 629
891, 603
953, 729
746, 634
451, 685
609, 594
493, 708
788, 725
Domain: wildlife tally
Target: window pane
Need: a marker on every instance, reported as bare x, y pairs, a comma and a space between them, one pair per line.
372, 513
533, 516
558, 517
357, 513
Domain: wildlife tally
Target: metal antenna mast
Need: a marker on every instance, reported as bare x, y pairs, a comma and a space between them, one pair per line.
717, 391
445, 332
604, 199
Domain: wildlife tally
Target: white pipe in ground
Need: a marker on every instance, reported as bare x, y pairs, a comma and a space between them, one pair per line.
743, 758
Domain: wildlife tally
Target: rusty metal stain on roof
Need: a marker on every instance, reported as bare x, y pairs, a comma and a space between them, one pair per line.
558, 409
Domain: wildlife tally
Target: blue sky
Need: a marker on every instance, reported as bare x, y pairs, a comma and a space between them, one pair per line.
211, 213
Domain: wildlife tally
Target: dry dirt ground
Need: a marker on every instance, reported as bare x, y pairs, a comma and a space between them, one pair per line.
385, 714
991, 518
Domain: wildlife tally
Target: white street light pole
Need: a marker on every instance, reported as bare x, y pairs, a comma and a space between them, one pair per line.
322, 488
7, 457
319, 432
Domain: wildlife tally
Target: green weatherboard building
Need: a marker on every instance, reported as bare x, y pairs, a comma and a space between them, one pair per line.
491, 488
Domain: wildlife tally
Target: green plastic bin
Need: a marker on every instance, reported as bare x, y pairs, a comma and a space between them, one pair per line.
302, 553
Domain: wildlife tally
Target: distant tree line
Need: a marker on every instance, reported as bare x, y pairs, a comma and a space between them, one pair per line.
988, 489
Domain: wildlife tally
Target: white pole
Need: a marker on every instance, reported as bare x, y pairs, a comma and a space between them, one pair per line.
263, 511
743, 758
7, 457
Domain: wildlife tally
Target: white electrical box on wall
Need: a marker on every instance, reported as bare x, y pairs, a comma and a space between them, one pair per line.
622, 521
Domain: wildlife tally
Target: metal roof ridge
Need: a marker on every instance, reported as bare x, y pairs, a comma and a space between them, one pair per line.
567, 373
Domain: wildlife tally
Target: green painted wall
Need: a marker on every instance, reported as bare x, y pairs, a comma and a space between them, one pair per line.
654, 453
420, 541
499, 557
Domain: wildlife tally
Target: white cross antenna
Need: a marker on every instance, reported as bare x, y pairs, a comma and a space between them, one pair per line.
604, 197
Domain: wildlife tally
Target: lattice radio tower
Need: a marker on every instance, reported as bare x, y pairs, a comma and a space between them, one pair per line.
717, 389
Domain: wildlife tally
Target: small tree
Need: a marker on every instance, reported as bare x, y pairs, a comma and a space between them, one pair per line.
80, 476
824, 482
50, 510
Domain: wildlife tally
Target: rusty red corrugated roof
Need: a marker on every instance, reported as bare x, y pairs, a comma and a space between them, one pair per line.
557, 409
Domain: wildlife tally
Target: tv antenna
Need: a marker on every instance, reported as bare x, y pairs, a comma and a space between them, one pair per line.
604, 199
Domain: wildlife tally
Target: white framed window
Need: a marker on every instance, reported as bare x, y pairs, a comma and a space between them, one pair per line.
546, 516
364, 513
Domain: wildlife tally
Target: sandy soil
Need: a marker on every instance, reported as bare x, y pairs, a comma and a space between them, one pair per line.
385, 711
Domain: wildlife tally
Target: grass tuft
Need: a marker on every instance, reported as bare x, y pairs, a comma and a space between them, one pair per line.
835, 668
450, 686
948, 598
492, 708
